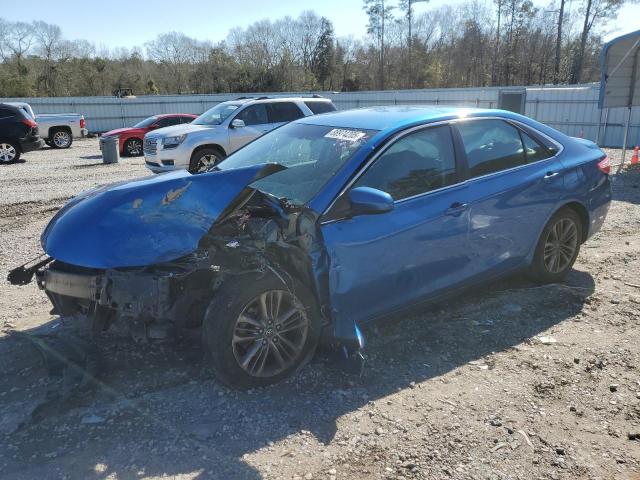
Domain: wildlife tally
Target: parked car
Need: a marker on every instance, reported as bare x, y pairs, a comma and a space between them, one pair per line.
222, 130
322, 225
18, 133
57, 129
130, 139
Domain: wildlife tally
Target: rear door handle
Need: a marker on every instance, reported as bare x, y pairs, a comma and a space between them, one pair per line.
456, 209
551, 175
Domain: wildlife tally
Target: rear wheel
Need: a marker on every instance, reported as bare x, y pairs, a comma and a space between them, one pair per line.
558, 246
61, 138
260, 331
9, 152
133, 147
205, 159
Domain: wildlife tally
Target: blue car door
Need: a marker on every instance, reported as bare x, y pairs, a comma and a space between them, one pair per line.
379, 263
514, 185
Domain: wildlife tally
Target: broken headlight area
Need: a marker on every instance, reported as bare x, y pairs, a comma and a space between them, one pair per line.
152, 296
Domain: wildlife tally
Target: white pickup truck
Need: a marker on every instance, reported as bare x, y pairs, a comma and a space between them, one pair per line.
57, 129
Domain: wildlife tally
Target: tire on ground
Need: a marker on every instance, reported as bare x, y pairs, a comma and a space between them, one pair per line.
63, 134
538, 269
16, 149
195, 163
220, 321
131, 144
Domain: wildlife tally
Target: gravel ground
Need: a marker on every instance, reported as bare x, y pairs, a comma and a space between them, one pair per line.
515, 381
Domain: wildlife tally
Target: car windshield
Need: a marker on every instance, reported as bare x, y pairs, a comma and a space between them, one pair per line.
311, 153
147, 122
217, 114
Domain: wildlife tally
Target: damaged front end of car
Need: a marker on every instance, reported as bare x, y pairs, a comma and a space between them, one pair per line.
151, 254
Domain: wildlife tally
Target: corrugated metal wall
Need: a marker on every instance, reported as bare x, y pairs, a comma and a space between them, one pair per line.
573, 110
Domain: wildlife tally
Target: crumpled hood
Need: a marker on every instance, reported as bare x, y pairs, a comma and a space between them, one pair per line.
176, 130
146, 221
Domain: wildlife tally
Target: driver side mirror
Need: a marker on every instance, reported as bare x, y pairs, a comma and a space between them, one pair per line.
154, 126
237, 123
369, 201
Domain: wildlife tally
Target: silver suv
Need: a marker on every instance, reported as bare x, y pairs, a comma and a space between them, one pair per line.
222, 130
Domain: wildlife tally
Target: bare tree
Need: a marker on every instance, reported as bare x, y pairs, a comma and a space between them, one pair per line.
594, 11
176, 51
556, 65
379, 15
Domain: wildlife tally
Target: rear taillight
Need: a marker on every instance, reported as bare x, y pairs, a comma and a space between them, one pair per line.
29, 123
83, 124
604, 165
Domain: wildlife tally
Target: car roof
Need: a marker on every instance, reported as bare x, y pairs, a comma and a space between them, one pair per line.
264, 99
163, 115
11, 106
390, 117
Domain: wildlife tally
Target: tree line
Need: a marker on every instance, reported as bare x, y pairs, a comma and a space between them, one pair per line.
471, 44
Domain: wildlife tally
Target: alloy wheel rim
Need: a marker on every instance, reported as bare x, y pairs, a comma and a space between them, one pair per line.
560, 245
270, 334
61, 139
207, 162
134, 147
7, 152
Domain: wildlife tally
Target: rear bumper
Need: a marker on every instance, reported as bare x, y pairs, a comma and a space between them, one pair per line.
84, 132
599, 206
31, 144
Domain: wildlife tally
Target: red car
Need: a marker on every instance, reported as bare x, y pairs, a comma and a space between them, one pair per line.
130, 139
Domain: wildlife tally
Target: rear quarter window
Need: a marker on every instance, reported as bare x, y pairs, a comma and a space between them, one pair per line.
284, 112
534, 150
320, 107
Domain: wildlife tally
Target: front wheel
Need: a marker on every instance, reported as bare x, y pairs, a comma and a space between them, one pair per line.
9, 152
61, 139
205, 159
558, 247
133, 147
260, 331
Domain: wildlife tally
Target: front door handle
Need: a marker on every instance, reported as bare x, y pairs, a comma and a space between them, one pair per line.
551, 175
456, 209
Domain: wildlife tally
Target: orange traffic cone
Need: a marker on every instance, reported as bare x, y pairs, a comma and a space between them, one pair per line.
634, 158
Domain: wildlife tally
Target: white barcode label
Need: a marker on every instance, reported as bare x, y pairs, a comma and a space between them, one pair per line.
348, 135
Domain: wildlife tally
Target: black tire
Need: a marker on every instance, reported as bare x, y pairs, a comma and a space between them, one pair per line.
60, 138
200, 158
132, 147
222, 318
9, 151
543, 266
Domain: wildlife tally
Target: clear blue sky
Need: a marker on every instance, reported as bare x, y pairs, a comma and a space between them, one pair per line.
127, 23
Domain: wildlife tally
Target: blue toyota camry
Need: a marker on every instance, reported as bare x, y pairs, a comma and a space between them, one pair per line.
321, 225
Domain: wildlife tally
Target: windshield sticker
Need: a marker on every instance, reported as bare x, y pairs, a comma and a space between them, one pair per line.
348, 135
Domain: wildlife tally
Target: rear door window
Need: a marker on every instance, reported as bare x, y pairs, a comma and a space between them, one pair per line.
416, 163
284, 112
491, 146
320, 107
254, 115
